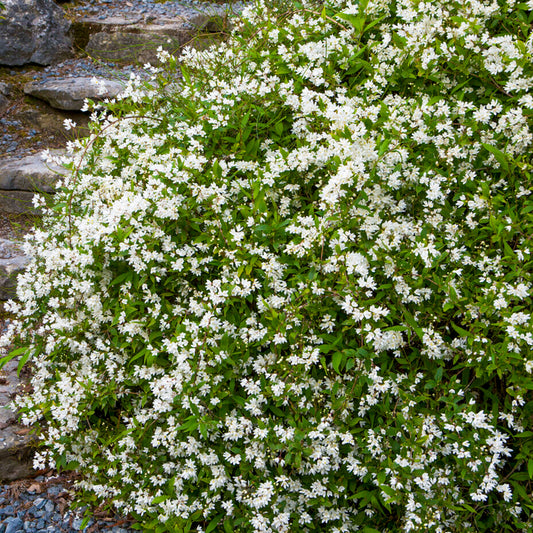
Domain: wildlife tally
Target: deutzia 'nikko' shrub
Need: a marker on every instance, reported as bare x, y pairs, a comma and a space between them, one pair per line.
293, 292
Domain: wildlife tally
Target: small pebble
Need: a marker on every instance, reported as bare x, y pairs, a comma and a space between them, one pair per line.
39, 503
54, 490
14, 525
38, 514
7, 511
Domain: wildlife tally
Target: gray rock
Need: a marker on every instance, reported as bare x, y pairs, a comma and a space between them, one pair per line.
46, 120
16, 443
138, 43
8, 386
111, 23
33, 31
8, 510
5, 91
54, 491
70, 93
18, 203
76, 524
4, 103
39, 503
30, 173
83, 28
12, 262
21, 178
16, 453
14, 525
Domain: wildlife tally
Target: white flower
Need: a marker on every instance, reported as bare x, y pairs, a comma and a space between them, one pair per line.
69, 124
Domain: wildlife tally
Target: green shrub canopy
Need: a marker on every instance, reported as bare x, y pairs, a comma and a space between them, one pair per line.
294, 293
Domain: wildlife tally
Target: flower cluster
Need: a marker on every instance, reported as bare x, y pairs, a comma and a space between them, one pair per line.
293, 294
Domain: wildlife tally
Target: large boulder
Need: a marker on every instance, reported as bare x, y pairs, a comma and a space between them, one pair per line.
33, 31
70, 93
20, 178
126, 40
30, 173
12, 262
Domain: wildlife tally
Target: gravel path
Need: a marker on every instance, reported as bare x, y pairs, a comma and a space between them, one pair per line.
42, 505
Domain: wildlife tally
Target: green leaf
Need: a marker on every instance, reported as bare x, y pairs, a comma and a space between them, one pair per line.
409, 318
498, 154
383, 147
277, 411
214, 523
122, 278
527, 209
160, 499
23, 361
530, 468
469, 508
356, 21
460, 330
370, 25
509, 252
11, 355
396, 328
336, 361
246, 133
189, 426
519, 487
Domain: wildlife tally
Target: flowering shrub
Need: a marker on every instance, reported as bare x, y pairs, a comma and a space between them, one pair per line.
294, 293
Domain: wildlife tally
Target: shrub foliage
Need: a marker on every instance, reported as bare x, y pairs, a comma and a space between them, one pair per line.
294, 293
